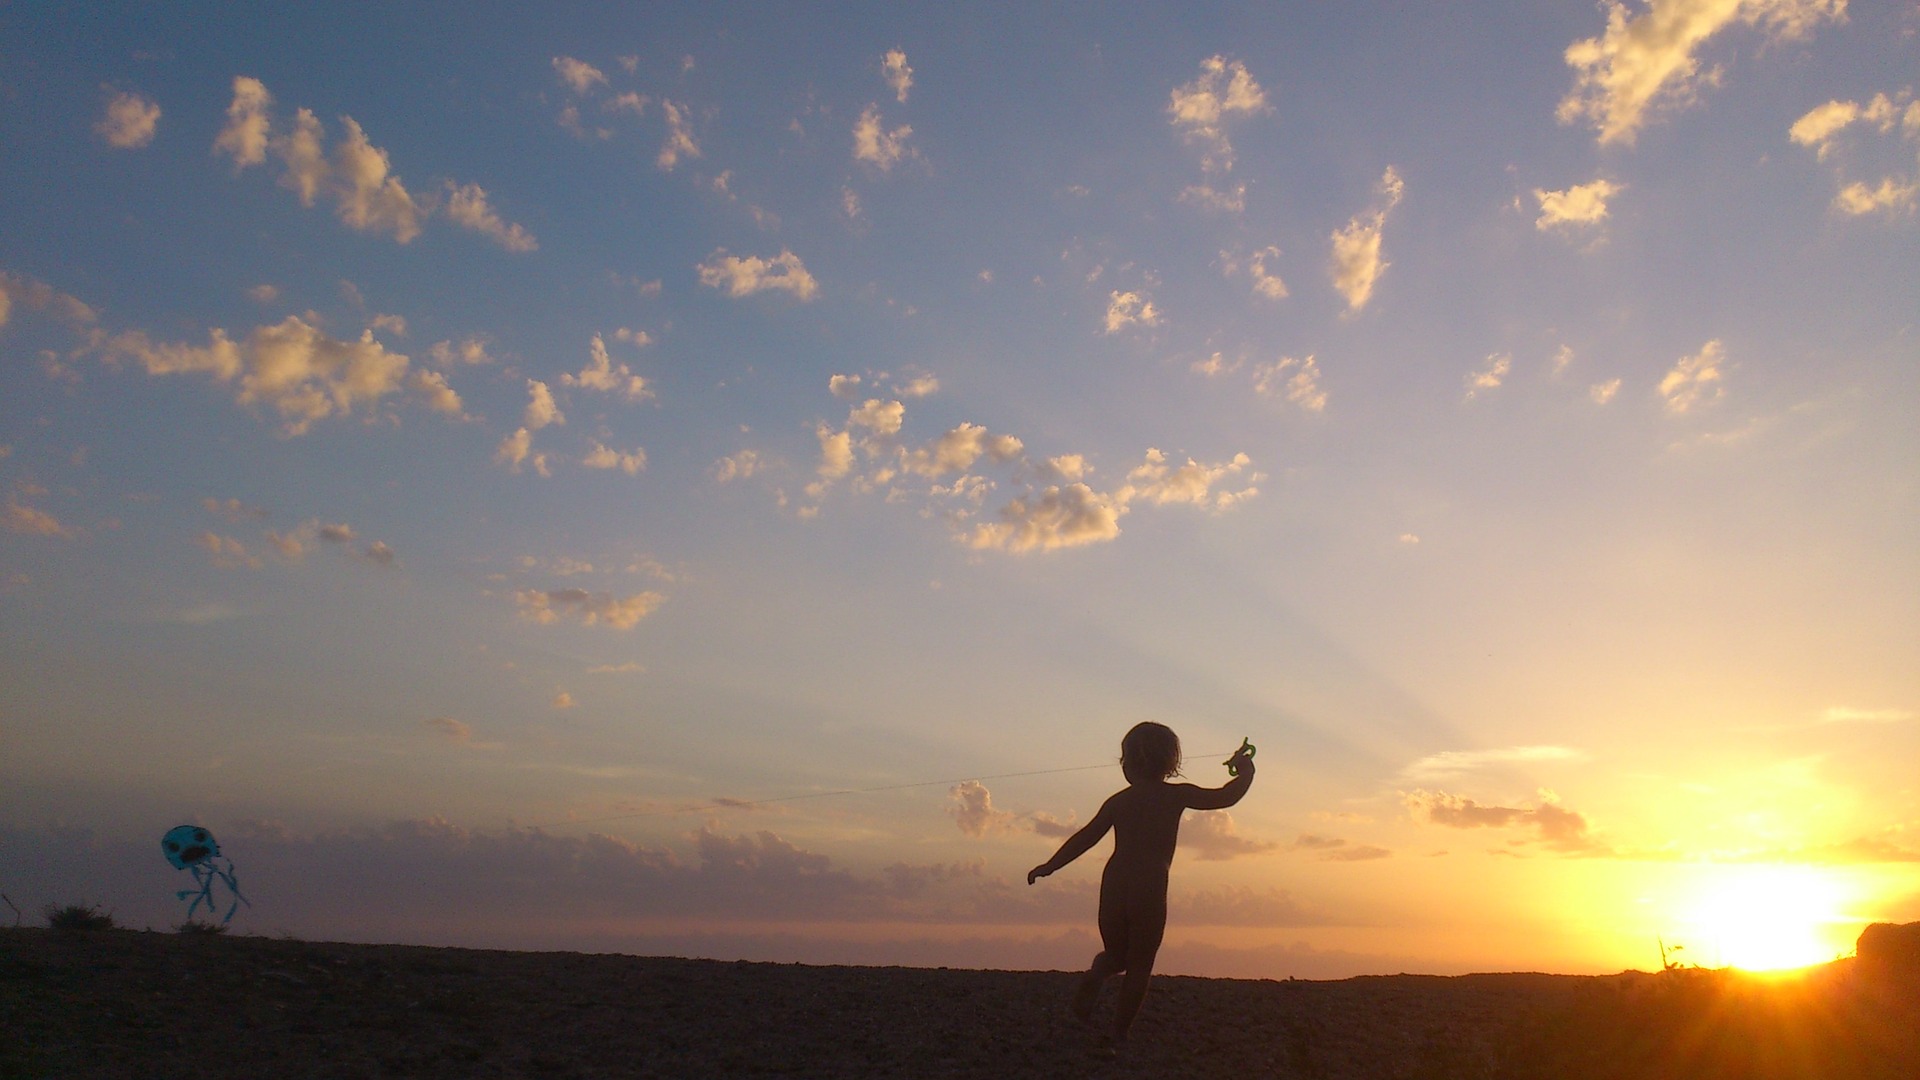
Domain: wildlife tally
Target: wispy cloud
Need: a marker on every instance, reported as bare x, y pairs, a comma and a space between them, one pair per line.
1644, 62
744, 276
130, 121
1454, 762
1199, 110
1695, 380
1357, 261
1555, 827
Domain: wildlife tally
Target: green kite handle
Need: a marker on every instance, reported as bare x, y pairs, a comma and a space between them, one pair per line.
1246, 748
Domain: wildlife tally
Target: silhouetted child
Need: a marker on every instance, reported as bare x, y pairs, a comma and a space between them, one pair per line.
1145, 819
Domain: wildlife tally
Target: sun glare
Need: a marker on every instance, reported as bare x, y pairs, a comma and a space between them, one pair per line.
1766, 918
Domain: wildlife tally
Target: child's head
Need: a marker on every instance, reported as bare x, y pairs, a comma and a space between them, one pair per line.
1150, 750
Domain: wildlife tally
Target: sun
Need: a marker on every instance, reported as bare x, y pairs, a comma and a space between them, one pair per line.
1766, 918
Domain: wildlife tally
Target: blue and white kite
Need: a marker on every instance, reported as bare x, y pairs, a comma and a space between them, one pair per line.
192, 848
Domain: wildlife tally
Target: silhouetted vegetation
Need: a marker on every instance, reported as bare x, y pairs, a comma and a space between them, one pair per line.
74, 918
200, 928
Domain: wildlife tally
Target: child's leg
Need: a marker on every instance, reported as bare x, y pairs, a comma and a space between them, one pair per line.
1112, 957
1145, 932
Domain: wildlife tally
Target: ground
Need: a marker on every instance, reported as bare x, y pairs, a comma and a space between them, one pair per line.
117, 1003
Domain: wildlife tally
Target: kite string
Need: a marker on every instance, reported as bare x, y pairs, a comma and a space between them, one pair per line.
743, 804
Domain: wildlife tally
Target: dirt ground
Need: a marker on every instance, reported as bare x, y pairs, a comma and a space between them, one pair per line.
119, 1003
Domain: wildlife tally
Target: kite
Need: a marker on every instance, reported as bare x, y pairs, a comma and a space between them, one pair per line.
192, 848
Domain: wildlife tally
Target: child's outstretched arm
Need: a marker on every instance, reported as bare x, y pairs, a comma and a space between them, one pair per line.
1078, 843
1199, 798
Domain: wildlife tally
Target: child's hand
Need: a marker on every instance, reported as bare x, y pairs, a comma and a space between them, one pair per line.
1241, 763
1038, 872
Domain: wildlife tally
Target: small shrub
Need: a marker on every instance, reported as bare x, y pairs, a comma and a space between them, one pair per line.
78, 917
196, 928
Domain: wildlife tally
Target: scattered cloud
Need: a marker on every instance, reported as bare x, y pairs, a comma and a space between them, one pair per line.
1556, 828
605, 457
898, 75
1056, 517
679, 141
468, 207
130, 121
33, 521
602, 374
472, 350
1126, 309
563, 700
1489, 375
625, 668
1695, 380
377, 553
1199, 110
579, 75
1211, 836
1156, 482
233, 510
878, 147
226, 551
1582, 205
1645, 62
541, 409
1221, 200
1297, 379
745, 276
1603, 392
355, 175
740, 466
589, 608
301, 372
971, 805
1857, 199
1357, 263
432, 389
263, 293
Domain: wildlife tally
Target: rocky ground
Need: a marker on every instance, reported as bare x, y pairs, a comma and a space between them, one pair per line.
116, 1003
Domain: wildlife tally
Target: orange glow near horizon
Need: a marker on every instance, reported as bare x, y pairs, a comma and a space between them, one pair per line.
1765, 918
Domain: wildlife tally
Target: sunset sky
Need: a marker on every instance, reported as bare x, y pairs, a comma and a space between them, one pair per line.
459, 457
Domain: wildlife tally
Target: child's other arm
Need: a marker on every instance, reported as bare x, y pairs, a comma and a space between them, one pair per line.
1078, 843
1200, 798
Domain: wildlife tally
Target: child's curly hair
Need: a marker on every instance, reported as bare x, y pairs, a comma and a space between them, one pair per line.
1153, 748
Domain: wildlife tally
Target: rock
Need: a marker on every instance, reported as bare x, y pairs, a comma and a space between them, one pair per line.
1890, 949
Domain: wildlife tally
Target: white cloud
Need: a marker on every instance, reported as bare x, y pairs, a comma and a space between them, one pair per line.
679, 142
875, 145
563, 700
451, 728
472, 350
1581, 204
1357, 263
392, 324
1562, 359
378, 553
431, 387
578, 74
1489, 375
294, 367
738, 467
245, 133
601, 373
1159, 483
1125, 309
918, 386
1058, 517
836, 453
605, 457
1200, 109
369, 199
263, 293
587, 608
1266, 284
130, 121
1645, 61
1891, 195
1297, 379
541, 409
746, 276
971, 805
957, 450
1695, 380
844, 386
515, 448
1603, 392
898, 75
468, 207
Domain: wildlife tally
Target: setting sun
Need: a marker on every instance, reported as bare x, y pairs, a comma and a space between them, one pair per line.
1766, 918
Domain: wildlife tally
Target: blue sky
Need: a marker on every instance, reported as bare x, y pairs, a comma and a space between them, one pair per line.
421, 426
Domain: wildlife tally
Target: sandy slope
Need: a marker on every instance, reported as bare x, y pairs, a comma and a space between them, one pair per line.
131, 1004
